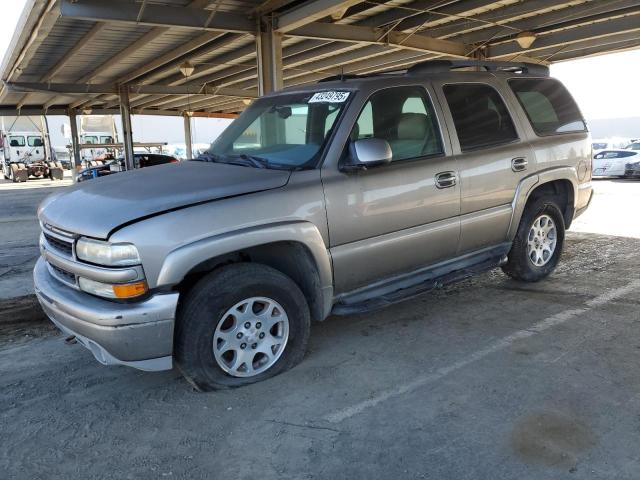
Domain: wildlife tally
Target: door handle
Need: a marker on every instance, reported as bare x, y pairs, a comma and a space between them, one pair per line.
519, 164
446, 179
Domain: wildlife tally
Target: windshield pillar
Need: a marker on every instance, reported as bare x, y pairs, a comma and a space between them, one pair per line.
269, 53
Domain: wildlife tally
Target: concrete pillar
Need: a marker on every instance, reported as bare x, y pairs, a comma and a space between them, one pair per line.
127, 132
75, 144
269, 53
187, 135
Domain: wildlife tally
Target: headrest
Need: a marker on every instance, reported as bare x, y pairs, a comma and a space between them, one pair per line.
413, 126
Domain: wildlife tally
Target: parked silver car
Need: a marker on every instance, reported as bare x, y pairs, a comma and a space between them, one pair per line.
334, 198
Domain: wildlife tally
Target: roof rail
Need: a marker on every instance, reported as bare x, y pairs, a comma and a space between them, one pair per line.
339, 77
441, 66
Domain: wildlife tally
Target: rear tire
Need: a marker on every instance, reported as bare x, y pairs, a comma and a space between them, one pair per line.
230, 329
538, 244
13, 168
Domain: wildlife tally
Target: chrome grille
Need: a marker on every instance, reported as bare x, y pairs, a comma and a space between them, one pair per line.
63, 275
59, 244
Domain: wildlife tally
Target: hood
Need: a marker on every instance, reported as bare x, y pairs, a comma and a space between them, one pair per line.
96, 207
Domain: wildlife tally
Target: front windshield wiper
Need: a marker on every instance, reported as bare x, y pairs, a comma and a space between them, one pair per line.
244, 160
255, 161
208, 157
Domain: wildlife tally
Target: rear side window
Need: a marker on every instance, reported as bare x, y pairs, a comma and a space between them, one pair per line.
549, 106
479, 115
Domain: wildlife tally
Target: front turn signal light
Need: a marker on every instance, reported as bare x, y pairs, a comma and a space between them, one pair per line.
130, 290
107, 290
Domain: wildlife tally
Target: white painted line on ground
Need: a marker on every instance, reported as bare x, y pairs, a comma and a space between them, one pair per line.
502, 344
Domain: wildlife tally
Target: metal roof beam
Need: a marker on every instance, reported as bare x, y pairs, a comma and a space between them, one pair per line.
125, 12
75, 89
552, 53
308, 12
358, 34
598, 50
556, 20
630, 23
506, 16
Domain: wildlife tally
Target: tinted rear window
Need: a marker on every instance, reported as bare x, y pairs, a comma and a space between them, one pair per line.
480, 116
549, 106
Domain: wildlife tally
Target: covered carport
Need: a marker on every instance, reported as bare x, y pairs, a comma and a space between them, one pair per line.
212, 57
485, 379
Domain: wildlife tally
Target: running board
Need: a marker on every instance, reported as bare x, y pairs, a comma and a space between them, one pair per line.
397, 289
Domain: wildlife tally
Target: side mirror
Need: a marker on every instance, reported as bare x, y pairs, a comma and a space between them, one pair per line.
367, 153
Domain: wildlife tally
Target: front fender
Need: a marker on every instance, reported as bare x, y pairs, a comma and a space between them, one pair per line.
182, 260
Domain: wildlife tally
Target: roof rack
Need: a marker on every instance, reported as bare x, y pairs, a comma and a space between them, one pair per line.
441, 66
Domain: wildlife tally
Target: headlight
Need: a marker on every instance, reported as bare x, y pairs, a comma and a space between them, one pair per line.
108, 254
106, 290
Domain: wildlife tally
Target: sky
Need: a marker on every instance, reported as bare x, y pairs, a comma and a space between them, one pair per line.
605, 87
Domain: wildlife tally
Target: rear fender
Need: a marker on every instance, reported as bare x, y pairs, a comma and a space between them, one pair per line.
528, 184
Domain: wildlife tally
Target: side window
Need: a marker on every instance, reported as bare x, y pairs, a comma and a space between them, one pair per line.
548, 105
16, 141
404, 117
364, 126
480, 116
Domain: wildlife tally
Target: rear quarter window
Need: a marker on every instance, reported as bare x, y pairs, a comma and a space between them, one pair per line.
549, 106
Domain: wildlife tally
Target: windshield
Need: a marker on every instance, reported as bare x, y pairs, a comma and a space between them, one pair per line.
107, 139
34, 141
285, 131
91, 139
16, 141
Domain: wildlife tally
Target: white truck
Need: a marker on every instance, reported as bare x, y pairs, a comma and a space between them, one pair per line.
97, 130
25, 153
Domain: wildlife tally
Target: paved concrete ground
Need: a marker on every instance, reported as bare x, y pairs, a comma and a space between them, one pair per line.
19, 232
487, 379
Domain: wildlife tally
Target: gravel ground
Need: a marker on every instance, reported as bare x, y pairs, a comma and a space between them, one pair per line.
488, 378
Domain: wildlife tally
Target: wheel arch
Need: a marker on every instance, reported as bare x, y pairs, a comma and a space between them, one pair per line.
295, 249
560, 183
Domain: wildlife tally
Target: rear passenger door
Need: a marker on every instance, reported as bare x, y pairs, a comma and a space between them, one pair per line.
398, 217
493, 157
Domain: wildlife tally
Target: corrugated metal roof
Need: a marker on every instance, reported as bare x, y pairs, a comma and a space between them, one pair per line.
46, 46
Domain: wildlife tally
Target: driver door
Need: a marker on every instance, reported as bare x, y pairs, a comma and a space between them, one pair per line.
401, 216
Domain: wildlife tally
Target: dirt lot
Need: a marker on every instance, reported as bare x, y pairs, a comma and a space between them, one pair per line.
487, 379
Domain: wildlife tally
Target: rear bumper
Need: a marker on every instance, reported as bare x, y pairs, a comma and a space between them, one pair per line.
138, 335
585, 195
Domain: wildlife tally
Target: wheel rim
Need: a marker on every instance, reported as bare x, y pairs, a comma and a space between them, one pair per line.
251, 336
542, 240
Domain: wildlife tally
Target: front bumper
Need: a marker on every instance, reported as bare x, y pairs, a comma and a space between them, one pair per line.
138, 335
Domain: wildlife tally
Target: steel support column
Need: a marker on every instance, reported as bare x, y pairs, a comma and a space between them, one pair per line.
127, 132
187, 135
75, 145
269, 53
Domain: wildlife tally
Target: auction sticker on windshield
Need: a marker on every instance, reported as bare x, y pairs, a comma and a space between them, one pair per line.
329, 97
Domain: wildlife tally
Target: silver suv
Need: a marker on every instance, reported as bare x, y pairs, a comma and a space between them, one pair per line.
334, 198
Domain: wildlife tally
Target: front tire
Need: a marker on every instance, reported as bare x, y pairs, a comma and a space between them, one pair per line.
537, 248
240, 324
